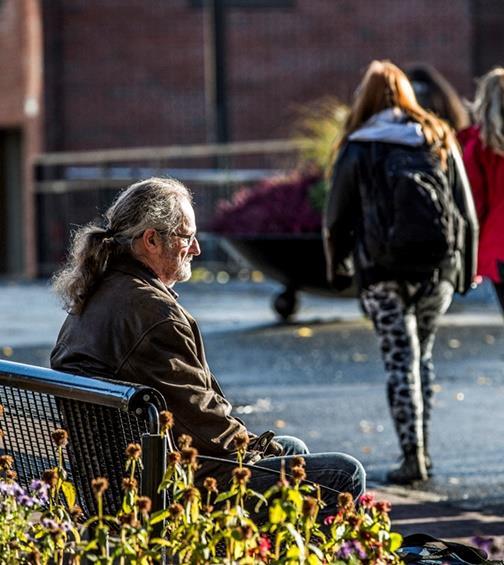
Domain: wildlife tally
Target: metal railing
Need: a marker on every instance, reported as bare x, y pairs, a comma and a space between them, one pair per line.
73, 188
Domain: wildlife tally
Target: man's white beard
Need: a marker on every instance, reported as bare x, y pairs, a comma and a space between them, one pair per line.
185, 271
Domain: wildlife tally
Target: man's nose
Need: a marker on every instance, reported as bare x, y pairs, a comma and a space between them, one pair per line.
195, 248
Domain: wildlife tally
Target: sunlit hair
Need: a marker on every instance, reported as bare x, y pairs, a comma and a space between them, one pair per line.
153, 203
434, 93
385, 86
489, 109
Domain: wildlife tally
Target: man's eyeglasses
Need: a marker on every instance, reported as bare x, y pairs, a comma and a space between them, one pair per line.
187, 239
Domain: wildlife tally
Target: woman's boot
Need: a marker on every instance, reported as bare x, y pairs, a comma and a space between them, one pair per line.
412, 468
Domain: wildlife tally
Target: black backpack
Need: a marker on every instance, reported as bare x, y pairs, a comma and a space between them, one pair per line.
412, 222
422, 549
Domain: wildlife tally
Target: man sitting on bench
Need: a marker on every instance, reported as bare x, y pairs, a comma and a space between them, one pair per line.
125, 323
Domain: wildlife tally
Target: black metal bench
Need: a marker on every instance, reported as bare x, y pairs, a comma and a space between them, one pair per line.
101, 416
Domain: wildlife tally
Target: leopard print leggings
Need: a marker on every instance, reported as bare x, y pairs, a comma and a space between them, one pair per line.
406, 333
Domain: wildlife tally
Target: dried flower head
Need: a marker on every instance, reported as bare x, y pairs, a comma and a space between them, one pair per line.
129, 519
76, 513
60, 437
383, 506
50, 477
11, 475
189, 456
210, 484
184, 441
242, 475
173, 458
245, 532
129, 484
99, 485
134, 451
354, 521
298, 461
191, 494
298, 473
6, 462
309, 508
241, 441
144, 504
176, 510
345, 501
165, 421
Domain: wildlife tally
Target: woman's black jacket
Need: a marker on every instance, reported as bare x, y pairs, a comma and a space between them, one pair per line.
344, 220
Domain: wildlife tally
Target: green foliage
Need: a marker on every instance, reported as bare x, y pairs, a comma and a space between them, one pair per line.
318, 128
200, 526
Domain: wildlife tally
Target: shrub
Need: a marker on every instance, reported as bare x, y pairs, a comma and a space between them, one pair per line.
291, 203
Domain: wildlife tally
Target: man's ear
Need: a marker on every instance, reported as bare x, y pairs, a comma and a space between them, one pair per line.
151, 240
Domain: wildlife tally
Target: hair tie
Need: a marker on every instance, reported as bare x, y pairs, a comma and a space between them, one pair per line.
109, 232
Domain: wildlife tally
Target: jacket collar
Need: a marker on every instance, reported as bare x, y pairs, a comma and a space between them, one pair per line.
127, 264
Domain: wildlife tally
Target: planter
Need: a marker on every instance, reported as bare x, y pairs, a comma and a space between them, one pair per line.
295, 260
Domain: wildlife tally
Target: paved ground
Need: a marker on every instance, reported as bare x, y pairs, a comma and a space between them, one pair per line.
320, 377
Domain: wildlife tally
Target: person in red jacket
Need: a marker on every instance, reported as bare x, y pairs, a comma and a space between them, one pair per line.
483, 151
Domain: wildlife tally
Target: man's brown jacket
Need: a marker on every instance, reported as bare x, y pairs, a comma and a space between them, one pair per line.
132, 329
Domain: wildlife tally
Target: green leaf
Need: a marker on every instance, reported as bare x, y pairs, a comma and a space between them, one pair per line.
160, 541
296, 497
297, 537
159, 516
69, 492
293, 552
128, 501
395, 541
314, 560
224, 496
277, 514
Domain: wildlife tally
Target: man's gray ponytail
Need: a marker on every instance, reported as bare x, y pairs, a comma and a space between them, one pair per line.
152, 203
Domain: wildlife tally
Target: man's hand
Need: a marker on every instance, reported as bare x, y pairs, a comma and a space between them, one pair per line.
274, 449
266, 445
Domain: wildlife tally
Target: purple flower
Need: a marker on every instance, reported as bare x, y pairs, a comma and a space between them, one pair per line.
11, 489
50, 524
27, 501
350, 548
55, 528
6, 488
41, 489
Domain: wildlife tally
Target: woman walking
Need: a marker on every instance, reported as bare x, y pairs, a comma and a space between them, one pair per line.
484, 161
400, 214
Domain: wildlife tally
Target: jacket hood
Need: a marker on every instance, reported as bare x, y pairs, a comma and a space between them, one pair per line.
390, 126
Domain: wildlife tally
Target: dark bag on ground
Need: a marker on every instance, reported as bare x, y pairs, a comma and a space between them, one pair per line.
412, 222
424, 549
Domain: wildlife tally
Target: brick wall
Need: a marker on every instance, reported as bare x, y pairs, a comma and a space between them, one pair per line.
131, 72
20, 110
12, 78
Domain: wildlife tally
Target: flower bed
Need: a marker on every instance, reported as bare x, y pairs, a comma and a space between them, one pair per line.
289, 204
201, 525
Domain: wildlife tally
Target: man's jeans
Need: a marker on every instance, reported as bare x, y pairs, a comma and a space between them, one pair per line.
334, 472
